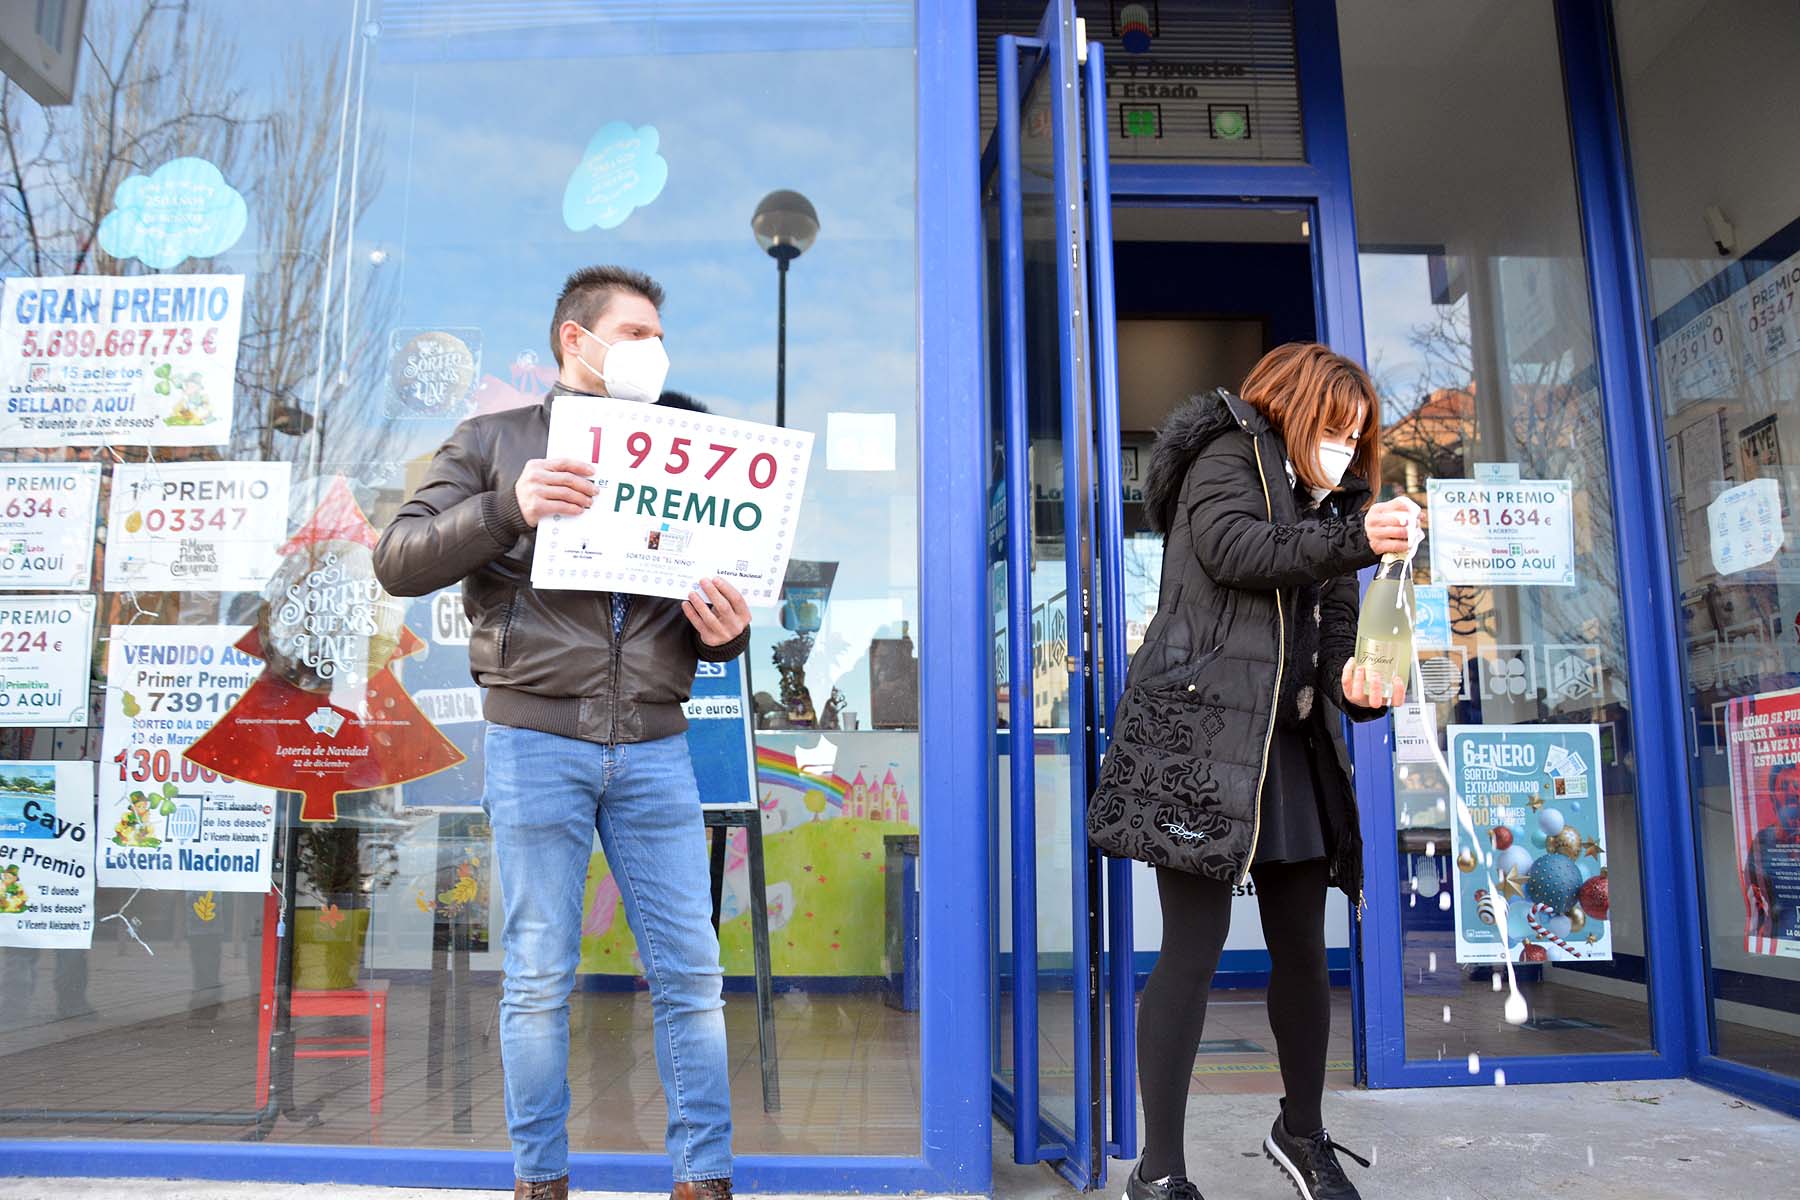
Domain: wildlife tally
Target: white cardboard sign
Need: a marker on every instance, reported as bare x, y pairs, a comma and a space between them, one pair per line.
47, 525
683, 496
1497, 532
195, 526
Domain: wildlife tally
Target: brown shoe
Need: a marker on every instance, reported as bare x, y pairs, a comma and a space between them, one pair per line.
542, 1189
702, 1189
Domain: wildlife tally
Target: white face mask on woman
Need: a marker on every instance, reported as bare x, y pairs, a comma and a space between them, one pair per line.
635, 369
1334, 459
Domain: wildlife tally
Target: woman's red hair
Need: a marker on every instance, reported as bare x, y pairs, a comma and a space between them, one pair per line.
1303, 389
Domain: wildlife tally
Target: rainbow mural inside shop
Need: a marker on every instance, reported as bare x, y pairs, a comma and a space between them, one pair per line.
828, 804
872, 795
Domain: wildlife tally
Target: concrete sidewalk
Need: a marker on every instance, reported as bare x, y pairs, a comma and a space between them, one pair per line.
1646, 1141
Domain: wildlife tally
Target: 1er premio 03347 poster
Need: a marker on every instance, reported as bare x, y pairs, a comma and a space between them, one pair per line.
201, 526
1763, 736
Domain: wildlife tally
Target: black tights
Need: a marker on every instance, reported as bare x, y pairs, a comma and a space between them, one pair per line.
1196, 915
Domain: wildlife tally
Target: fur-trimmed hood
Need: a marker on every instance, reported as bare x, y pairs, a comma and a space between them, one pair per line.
1189, 430
1193, 426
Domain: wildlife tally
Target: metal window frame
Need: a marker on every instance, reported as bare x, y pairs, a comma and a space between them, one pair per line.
1609, 237
1678, 966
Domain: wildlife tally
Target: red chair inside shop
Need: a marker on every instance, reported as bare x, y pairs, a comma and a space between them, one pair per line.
368, 1001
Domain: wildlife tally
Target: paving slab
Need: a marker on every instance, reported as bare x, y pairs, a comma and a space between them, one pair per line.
1647, 1141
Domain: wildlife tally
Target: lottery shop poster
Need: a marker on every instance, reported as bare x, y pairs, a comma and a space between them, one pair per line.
1762, 733
95, 360
47, 525
47, 854
166, 822
196, 526
46, 649
1532, 885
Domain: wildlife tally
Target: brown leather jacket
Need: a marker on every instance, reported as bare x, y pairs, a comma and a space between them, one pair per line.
547, 658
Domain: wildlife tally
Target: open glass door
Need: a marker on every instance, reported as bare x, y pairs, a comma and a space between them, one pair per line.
1063, 1024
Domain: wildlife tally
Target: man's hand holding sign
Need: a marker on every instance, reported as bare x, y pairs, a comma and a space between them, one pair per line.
662, 502
560, 487
565, 487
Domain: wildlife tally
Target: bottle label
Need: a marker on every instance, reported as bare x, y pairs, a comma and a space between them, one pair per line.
1382, 657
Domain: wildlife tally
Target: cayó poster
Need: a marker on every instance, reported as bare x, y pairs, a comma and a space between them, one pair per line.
47, 854
1763, 736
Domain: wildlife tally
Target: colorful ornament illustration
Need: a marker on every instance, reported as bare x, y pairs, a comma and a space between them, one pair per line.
1553, 882
1596, 899
1566, 842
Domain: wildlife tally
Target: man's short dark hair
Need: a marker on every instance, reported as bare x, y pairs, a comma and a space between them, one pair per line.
588, 291
681, 400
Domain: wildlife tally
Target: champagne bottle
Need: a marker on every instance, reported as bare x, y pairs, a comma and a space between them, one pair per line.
1384, 633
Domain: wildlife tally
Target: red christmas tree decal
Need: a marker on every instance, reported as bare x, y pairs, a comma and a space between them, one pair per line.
327, 716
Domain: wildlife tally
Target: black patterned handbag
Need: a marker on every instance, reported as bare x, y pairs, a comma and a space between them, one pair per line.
1178, 784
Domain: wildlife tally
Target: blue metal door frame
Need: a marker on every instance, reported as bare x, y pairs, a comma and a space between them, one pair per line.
1320, 186
955, 1150
1674, 946
1086, 366
1120, 960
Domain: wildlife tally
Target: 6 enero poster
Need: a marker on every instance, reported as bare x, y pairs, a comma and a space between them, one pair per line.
1533, 885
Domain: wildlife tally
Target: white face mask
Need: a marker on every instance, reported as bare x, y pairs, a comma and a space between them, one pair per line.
635, 370
1334, 460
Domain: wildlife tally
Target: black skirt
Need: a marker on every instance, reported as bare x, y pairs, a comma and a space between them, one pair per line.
1292, 829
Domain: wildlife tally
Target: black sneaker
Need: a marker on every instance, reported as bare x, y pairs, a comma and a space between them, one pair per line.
1311, 1164
1171, 1187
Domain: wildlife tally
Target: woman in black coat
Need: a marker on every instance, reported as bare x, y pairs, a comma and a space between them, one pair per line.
1227, 761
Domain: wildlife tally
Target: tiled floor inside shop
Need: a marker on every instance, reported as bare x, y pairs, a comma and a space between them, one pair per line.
848, 1076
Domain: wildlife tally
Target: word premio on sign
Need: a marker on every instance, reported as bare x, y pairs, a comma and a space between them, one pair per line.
682, 497
145, 360
1500, 532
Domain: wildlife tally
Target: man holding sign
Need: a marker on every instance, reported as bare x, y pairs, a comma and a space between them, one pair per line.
585, 731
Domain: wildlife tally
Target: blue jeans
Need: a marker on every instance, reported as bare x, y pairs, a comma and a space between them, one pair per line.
545, 797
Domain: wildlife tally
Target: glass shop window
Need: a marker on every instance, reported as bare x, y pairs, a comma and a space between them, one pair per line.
257, 264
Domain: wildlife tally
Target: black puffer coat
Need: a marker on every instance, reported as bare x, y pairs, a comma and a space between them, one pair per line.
1182, 781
